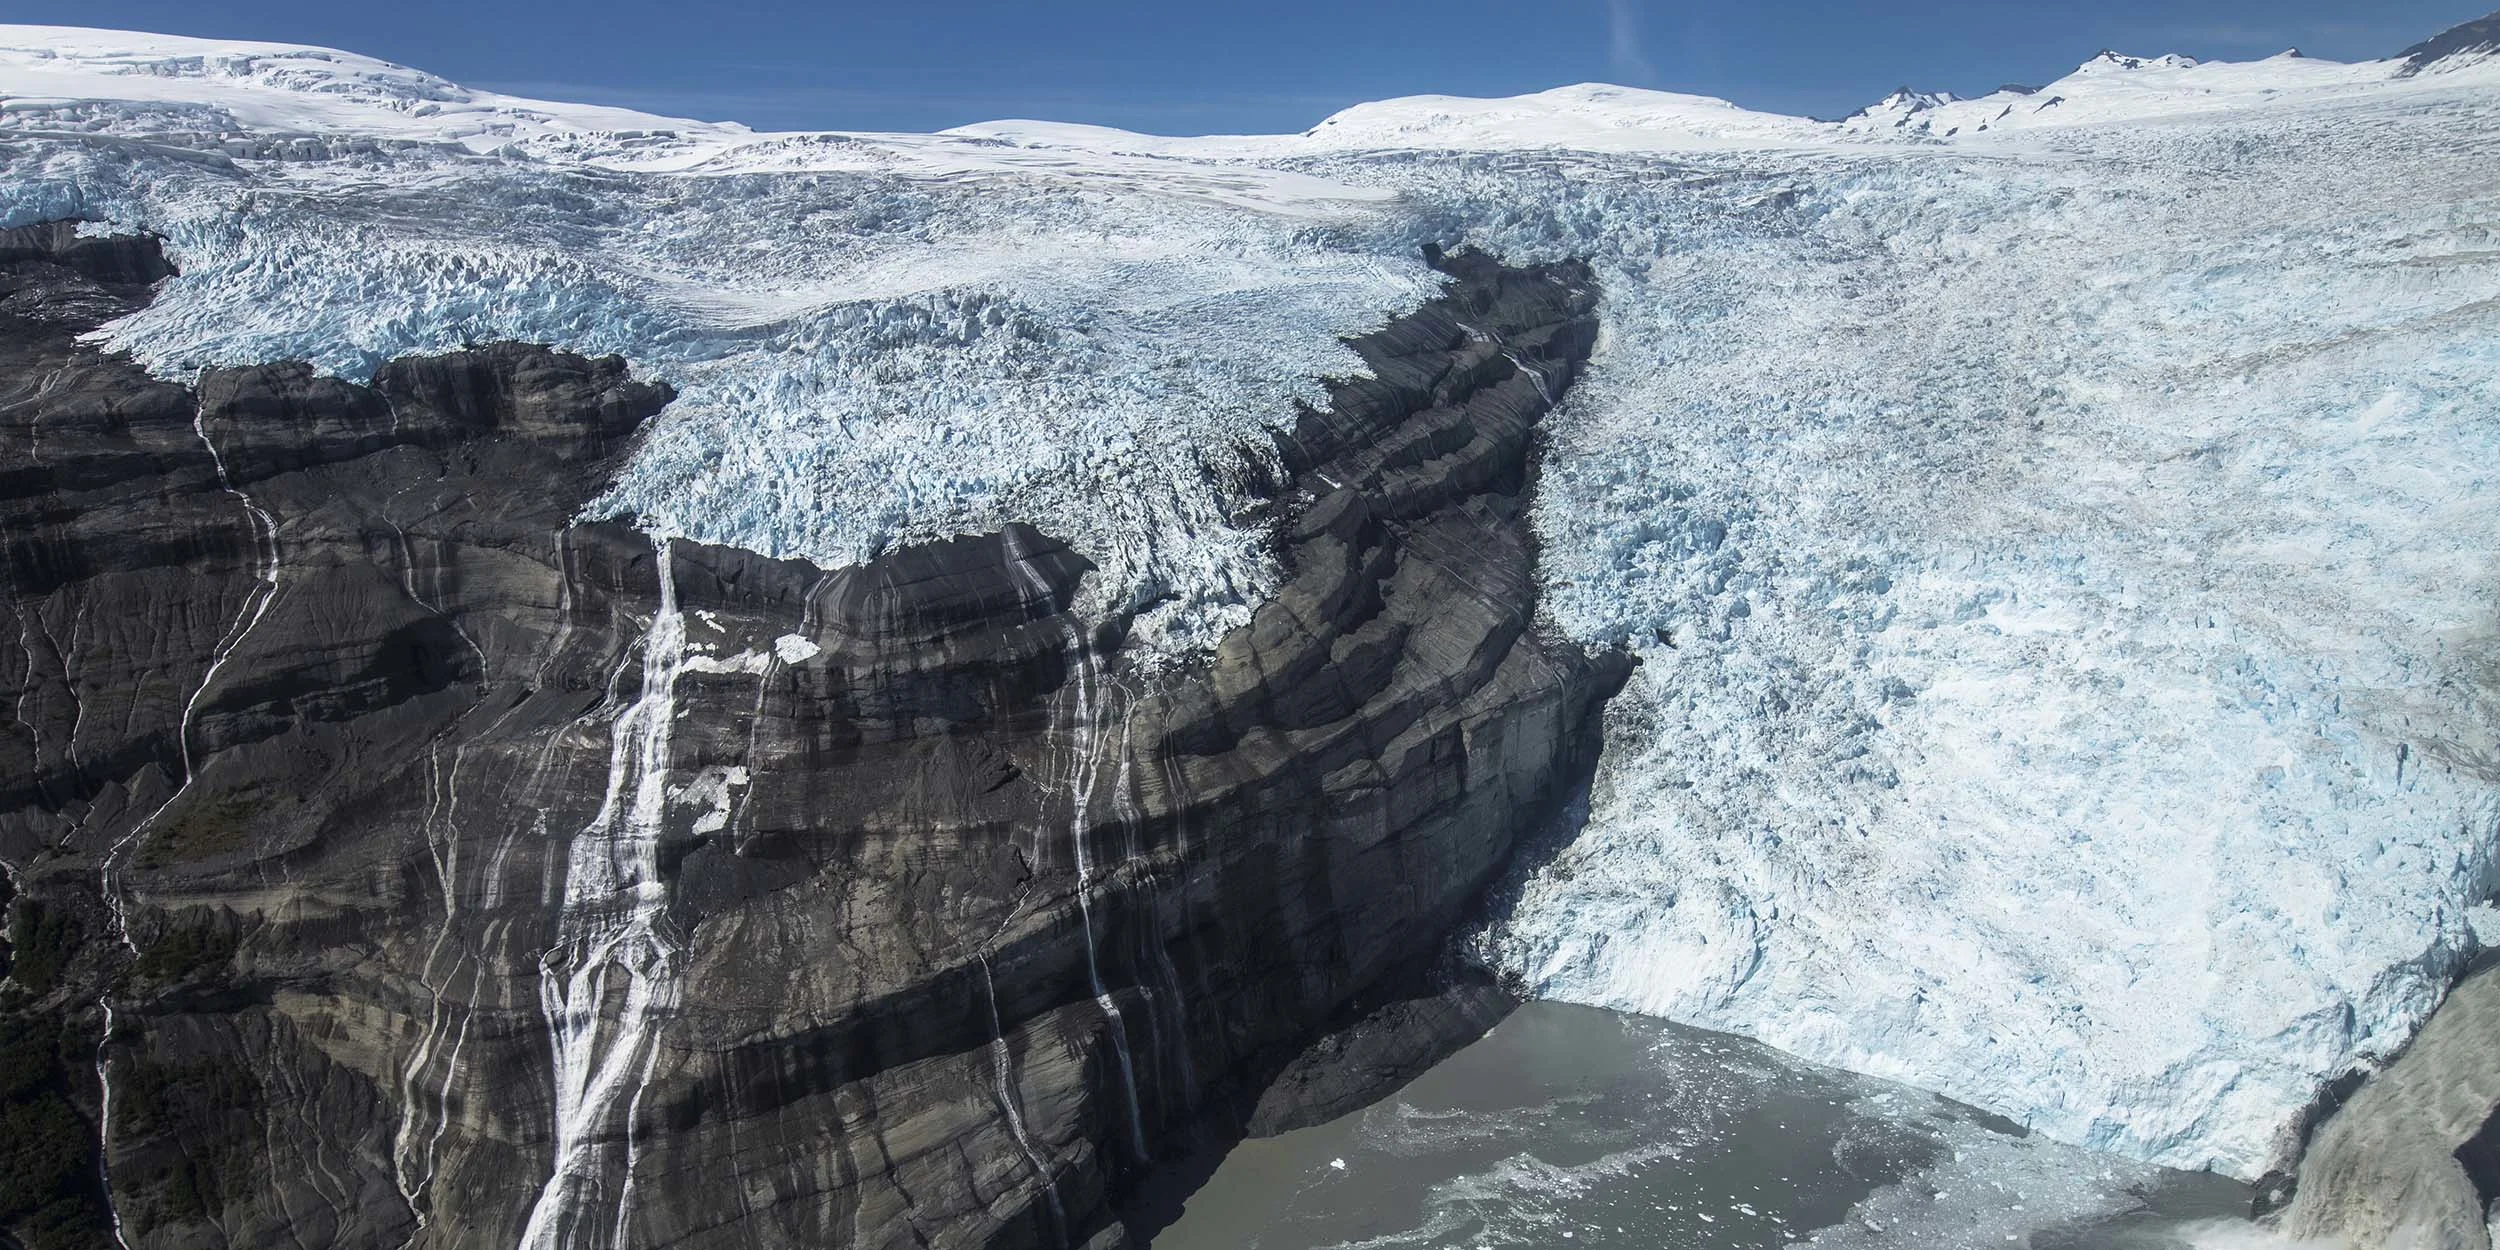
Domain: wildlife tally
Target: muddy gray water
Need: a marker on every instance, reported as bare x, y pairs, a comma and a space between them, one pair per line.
1573, 1127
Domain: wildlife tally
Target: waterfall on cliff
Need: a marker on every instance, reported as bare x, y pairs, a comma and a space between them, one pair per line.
612, 974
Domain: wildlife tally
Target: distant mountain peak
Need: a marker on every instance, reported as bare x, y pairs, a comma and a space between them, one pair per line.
1921, 99
1903, 104
2109, 59
2464, 44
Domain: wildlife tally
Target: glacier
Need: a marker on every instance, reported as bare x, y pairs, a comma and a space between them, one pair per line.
874, 340
2056, 527
2064, 597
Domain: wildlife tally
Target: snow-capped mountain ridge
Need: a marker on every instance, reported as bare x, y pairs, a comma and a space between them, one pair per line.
2460, 47
289, 89
2108, 88
2115, 88
185, 83
2073, 700
2111, 59
1903, 104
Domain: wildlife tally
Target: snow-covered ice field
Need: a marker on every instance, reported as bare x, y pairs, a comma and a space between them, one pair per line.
2065, 591
2058, 528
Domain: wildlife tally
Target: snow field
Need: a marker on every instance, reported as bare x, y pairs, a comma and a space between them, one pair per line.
2060, 551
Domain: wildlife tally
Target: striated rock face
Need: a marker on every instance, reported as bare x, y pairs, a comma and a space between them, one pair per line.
2413, 1158
2462, 44
259, 622
398, 861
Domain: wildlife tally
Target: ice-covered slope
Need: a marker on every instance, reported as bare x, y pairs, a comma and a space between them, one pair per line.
876, 337
2057, 526
117, 80
2111, 88
2107, 89
1591, 116
2461, 47
2066, 598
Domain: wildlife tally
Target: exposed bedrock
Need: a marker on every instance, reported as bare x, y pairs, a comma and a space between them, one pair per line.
456, 874
2412, 1159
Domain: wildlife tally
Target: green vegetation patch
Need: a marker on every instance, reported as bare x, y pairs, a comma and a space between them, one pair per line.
187, 953
204, 830
48, 1175
198, 1107
42, 940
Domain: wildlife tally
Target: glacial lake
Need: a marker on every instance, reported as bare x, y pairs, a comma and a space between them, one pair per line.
1573, 1127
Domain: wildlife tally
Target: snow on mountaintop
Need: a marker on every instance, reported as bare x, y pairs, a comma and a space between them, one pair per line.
2112, 88
2059, 525
77, 79
2460, 47
1903, 104
293, 102
188, 85
1589, 117
1594, 117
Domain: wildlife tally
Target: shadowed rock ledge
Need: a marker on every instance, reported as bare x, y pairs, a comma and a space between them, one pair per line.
425, 844
2412, 1159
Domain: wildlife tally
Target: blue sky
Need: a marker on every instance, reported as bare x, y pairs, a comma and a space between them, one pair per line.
1186, 67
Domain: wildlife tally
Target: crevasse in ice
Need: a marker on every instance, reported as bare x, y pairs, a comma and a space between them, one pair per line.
2057, 528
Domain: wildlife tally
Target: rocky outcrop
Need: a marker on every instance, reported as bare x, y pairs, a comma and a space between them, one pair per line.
2466, 43
1381, 1047
2413, 1157
257, 619
403, 862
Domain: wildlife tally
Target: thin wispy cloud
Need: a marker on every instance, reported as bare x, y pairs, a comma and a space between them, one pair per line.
1624, 52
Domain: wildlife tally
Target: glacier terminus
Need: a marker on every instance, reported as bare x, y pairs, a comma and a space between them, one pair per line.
1995, 595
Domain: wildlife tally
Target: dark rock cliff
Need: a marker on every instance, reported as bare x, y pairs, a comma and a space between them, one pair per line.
2412, 1157
2459, 44
397, 861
